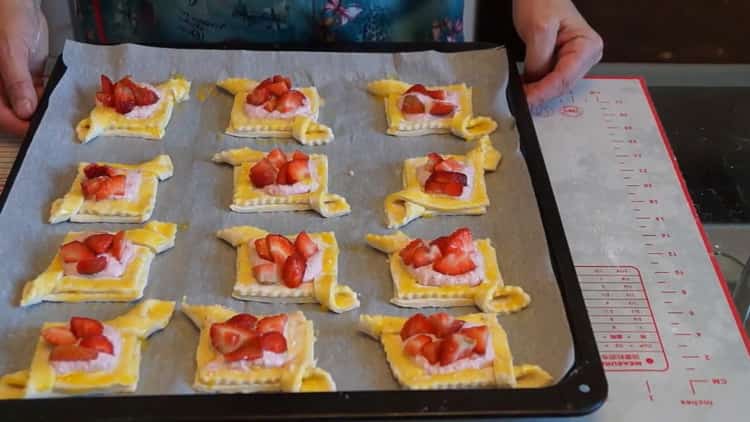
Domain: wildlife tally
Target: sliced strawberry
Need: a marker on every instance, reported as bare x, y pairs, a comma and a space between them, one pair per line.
262, 174
413, 345
58, 336
270, 104
90, 187
455, 347
258, 96
459, 241
72, 352
118, 245
92, 266
448, 177
433, 159
278, 88
107, 85
438, 94
83, 327
280, 78
431, 351
291, 100
412, 105
444, 324
99, 343
450, 165
305, 245
95, 170
283, 177
99, 243
227, 338
425, 256
273, 342
105, 98
417, 88
299, 155
261, 248
280, 248
243, 320
442, 108
114, 171
416, 324
407, 253
454, 264
277, 157
271, 323
479, 334
76, 251
265, 82
145, 96
297, 171
293, 271
266, 273
450, 189
124, 98
250, 350
111, 187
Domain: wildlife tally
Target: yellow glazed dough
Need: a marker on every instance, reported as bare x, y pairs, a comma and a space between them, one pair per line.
74, 207
105, 120
413, 202
324, 289
491, 295
134, 326
247, 198
306, 130
299, 374
53, 286
501, 374
461, 124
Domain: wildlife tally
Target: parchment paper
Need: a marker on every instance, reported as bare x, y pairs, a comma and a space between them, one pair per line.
202, 267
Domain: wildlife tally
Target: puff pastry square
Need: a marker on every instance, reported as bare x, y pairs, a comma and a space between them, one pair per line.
324, 289
413, 202
75, 208
40, 380
461, 123
490, 295
106, 121
500, 374
54, 286
305, 129
298, 374
247, 198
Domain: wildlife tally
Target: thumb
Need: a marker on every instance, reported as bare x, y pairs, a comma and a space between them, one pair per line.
16, 78
540, 50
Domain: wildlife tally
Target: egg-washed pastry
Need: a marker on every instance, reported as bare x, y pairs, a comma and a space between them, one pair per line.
112, 192
443, 185
440, 352
415, 110
130, 108
272, 108
97, 266
452, 270
299, 268
85, 355
243, 353
275, 181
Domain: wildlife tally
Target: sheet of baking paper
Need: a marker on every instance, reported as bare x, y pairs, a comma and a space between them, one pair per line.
365, 165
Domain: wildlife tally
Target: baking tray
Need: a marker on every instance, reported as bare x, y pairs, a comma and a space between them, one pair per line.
582, 389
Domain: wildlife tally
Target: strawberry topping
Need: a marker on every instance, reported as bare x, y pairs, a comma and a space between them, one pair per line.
58, 336
118, 245
455, 347
305, 245
271, 323
437, 94
261, 248
280, 247
446, 183
442, 108
276, 94
84, 340
281, 169
245, 337
414, 344
444, 324
431, 351
450, 255
227, 338
273, 342
412, 105
103, 182
266, 273
85, 327
277, 158
297, 171
441, 339
263, 173
416, 324
124, 95
76, 251
290, 101
250, 350
293, 271
99, 243
454, 264
99, 343
284, 261
243, 320
72, 352
479, 334
92, 266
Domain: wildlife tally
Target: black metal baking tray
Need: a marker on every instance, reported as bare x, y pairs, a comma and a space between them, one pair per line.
582, 390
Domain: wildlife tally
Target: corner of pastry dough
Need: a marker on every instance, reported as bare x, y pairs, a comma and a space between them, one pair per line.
155, 235
177, 86
238, 235
13, 385
145, 318
236, 86
389, 243
386, 87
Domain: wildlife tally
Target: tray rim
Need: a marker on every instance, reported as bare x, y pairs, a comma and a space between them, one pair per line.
566, 398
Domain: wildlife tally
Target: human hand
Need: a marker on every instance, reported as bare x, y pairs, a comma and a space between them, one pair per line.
23, 49
560, 47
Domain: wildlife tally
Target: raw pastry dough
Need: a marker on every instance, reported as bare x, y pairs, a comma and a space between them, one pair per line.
54, 286
324, 289
462, 124
247, 198
298, 375
502, 373
413, 202
74, 207
106, 121
134, 326
305, 129
491, 295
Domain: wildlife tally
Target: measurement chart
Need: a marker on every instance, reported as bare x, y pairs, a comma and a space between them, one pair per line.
671, 343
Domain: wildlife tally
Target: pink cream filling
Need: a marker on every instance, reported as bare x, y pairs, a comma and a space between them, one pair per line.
132, 185
472, 362
103, 361
450, 97
114, 267
423, 174
258, 112
142, 112
427, 276
313, 268
296, 188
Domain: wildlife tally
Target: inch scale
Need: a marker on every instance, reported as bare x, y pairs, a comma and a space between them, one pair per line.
670, 340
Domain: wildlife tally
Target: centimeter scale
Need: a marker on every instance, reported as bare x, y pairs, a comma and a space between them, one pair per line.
670, 339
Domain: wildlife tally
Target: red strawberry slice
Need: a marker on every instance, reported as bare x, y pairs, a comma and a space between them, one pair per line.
459, 241
113, 171
258, 96
227, 338
261, 248
273, 342
442, 108
92, 266
72, 352
407, 253
263, 173
424, 256
107, 85
105, 99
76, 251
250, 350
277, 157
416, 324
438, 94
444, 324
271, 323
479, 334
95, 170
454, 264
118, 245
449, 165
278, 88
305, 246
243, 320
280, 248
297, 171
58, 336
144, 96
433, 159
265, 82
299, 155
280, 78
283, 177
110, 187
431, 351
290, 101
448, 177
99, 343
414, 344
412, 105
124, 98
450, 189
90, 187
267, 273
455, 347
99, 243
270, 105
293, 271
417, 88
83, 327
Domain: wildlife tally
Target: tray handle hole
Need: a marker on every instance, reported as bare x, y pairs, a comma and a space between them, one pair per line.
584, 388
